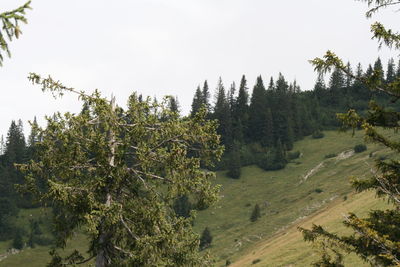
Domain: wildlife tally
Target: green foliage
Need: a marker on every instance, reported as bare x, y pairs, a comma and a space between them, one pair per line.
234, 164
255, 261
18, 241
11, 27
330, 155
317, 134
375, 238
205, 239
360, 148
293, 155
182, 206
114, 174
255, 214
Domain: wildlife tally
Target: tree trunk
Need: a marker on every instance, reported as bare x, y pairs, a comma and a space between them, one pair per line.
102, 259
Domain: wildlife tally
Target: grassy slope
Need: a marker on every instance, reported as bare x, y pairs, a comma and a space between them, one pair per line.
288, 201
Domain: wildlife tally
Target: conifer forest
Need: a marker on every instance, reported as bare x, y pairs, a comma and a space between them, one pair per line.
254, 172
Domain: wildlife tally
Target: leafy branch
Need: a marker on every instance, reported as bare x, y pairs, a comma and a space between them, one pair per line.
11, 28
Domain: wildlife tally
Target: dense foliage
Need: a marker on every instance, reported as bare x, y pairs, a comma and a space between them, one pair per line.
114, 175
261, 128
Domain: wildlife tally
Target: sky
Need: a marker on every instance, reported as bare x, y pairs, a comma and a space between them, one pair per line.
169, 47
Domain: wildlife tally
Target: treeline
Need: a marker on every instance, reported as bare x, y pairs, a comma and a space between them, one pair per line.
261, 128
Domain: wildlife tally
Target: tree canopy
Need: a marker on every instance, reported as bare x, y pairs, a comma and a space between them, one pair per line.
114, 175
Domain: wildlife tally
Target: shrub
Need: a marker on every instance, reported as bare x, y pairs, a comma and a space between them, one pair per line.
256, 261
228, 262
318, 190
18, 243
331, 155
205, 239
293, 155
360, 148
317, 134
256, 213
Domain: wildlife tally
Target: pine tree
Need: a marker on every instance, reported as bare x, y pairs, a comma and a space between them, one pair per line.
173, 104
124, 208
206, 96
257, 110
197, 102
241, 112
256, 213
374, 238
205, 239
234, 163
223, 115
390, 73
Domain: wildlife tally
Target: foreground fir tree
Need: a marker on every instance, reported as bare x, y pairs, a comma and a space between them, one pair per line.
113, 174
376, 238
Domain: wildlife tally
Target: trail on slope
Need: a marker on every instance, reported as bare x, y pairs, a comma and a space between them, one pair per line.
342, 156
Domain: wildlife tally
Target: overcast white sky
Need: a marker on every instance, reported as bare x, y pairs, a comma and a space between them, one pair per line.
159, 47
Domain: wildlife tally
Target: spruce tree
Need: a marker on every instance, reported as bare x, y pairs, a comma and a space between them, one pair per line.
256, 213
205, 239
197, 102
390, 73
205, 100
114, 172
375, 238
257, 110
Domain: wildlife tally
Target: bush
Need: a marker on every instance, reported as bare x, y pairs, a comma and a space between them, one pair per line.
293, 155
228, 262
256, 213
18, 243
360, 148
256, 261
331, 155
318, 190
205, 239
317, 134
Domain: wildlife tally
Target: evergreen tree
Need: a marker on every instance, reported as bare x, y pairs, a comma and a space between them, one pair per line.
234, 163
124, 208
206, 96
223, 115
205, 239
182, 206
18, 242
390, 73
349, 75
241, 112
197, 102
257, 111
374, 238
173, 104
256, 213
33, 137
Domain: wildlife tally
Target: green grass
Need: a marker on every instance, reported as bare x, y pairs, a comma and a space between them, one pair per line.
286, 201
284, 196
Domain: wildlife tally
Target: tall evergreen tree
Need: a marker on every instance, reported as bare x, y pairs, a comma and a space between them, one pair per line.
257, 111
375, 239
390, 73
197, 101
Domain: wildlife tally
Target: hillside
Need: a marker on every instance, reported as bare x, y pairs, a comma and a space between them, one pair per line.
288, 196
310, 189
